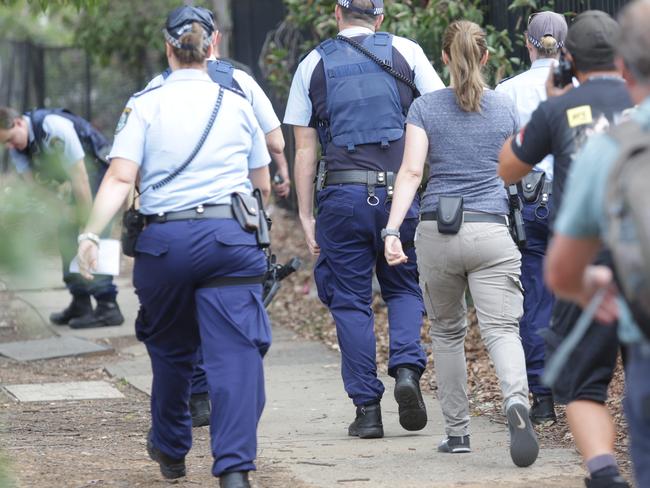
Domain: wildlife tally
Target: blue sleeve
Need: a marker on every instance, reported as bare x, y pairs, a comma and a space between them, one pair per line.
20, 161
581, 215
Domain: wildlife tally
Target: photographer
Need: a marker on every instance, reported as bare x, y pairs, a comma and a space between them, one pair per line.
545, 36
583, 224
560, 126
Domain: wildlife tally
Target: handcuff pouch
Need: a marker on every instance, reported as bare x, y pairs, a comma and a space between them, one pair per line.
450, 214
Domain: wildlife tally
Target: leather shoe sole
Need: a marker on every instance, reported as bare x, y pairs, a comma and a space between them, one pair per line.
412, 411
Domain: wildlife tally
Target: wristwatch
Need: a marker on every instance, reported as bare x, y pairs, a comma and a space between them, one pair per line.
389, 232
88, 236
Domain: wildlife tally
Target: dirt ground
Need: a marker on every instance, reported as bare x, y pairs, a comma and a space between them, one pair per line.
102, 443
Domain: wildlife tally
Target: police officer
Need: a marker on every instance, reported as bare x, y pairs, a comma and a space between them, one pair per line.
232, 75
197, 271
560, 126
342, 96
55, 146
224, 73
544, 38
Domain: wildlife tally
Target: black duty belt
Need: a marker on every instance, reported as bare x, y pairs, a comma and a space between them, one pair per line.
471, 217
200, 212
371, 179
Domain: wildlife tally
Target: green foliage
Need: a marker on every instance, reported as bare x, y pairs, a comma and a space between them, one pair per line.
23, 21
29, 217
424, 21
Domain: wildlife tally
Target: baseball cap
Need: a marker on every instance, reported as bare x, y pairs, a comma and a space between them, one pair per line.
182, 16
543, 24
377, 7
592, 40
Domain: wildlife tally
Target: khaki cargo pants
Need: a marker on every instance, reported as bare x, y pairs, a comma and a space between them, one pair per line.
483, 257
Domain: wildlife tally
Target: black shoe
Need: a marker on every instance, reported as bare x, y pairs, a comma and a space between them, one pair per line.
543, 410
107, 313
412, 412
78, 308
200, 409
234, 479
170, 468
455, 445
606, 482
367, 424
524, 447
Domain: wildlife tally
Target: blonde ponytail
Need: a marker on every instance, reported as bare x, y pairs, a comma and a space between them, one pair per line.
465, 45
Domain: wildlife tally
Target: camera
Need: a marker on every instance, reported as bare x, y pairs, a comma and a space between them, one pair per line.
563, 71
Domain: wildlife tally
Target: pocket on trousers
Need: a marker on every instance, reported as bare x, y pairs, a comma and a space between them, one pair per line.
513, 298
151, 245
236, 237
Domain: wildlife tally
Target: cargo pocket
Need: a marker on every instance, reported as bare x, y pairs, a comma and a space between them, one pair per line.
513, 298
151, 245
236, 237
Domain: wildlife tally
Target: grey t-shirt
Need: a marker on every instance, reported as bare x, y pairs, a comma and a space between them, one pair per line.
464, 148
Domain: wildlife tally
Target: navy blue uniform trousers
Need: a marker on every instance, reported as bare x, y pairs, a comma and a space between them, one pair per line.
637, 409
228, 325
538, 300
101, 286
348, 233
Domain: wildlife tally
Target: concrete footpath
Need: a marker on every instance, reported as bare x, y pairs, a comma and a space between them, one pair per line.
304, 427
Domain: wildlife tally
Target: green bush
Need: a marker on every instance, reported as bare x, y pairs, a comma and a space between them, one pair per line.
308, 23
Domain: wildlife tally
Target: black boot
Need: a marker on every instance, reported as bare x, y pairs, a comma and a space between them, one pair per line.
367, 424
170, 468
234, 479
106, 313
78, 308
200, 409
412, 411
615, 481
543, 410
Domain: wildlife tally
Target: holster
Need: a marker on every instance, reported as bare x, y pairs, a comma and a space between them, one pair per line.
450, 214
532, 185
132, 225
321, 175
263, 232
246, 211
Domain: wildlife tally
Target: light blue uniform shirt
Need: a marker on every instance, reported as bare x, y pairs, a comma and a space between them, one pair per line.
160, 128
59, 136
261, 104
582, 213
528, 90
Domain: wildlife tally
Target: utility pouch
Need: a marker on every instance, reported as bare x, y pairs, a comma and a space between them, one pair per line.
263, 231
321, 175
132, 225
532, 185
246, 211
450, 214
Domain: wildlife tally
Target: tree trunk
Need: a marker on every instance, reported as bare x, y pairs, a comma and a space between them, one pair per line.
223, 12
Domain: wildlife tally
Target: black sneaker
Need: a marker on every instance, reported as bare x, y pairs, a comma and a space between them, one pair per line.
234, 479
80, 307
367, 424
615, 481
543, 410
455, 445
107, 313
412, 411
200, 409
170, 468
524, 447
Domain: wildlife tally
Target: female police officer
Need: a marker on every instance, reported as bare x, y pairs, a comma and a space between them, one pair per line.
191, 237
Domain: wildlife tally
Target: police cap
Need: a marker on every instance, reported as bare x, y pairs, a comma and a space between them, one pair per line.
378, 7
187, 14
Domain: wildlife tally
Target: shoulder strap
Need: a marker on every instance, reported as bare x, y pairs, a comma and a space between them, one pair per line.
221, 72
197, 148
382, 64
166, 73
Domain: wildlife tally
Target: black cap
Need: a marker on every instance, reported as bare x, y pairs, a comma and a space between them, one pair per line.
377, 7
187, 14
592, 40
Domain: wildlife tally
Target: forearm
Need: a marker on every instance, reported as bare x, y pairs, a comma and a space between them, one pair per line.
112, 193
81, 190
305, 170
275, 143
261, 180
406, 186
566, 261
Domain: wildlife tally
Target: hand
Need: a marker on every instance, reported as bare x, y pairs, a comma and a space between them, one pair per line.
393, 251
551, 89
596, 278
87, 255
309, 228
283, 189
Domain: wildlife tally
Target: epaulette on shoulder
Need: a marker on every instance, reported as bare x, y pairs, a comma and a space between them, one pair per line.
412, 40
145, 91
234, 90
503, 80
